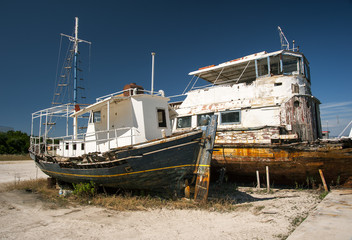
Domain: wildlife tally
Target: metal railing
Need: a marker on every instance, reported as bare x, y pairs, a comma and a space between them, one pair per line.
49, 146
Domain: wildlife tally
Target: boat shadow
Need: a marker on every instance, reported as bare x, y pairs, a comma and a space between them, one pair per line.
231, 193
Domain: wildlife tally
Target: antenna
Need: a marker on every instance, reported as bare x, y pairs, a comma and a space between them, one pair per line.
152, 90
284, 43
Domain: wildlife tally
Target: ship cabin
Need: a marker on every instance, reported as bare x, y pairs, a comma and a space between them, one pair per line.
121, 119
262, 98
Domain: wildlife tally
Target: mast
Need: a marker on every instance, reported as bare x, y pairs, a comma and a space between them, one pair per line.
75, 46
75, 41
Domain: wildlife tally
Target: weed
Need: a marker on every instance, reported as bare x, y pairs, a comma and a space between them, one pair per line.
40, 187
298, 220
84, 189
338, 180
323, 195
257, 209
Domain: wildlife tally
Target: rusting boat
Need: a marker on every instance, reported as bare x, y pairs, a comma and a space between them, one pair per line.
267, 117
127, 144
127, 141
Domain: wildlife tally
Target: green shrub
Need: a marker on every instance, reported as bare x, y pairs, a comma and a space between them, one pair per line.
84, 189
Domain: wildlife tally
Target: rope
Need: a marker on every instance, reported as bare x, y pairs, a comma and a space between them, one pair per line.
187, 85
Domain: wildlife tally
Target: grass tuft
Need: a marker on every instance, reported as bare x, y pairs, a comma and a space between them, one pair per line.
125, 201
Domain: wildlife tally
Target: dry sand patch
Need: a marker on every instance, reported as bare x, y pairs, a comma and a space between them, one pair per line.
258, 216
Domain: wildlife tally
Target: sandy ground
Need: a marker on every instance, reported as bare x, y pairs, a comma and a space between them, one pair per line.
259, 216
11, 171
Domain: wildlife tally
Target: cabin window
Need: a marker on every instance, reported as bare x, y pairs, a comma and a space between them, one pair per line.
230, 117
184, 122
203, 119
66, 146
306, 71
74, 146
82, 146
290, 64
96, 116
275, 65
262, 67
161, 117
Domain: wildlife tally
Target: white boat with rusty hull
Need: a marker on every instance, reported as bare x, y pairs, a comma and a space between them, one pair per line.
267, 117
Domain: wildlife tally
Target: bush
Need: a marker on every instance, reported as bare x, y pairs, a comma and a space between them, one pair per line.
84, 189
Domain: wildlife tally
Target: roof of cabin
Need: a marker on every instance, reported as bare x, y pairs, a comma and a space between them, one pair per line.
236, 70
99, 104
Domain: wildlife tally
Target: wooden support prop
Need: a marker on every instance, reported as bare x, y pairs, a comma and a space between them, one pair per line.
258, 179
204, 160
323, 180
267, 179
51, 182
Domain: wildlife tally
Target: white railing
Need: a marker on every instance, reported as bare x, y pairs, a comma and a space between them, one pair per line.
131, 91
68, 145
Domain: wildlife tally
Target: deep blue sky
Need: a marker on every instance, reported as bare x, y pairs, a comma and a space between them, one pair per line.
185, 35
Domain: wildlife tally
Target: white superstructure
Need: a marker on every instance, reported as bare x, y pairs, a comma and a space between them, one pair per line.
260, 98
125, 118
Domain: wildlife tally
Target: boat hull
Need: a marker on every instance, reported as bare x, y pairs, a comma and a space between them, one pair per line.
288, 164
161, 165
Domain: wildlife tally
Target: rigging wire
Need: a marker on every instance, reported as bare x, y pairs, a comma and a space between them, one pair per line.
195, 82
188, 85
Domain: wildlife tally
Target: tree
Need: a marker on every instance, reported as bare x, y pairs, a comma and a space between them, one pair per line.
14, 142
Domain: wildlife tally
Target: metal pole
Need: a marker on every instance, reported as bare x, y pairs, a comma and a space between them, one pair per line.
32, 146
40, 129
46, 129
66, 120
75, 63
75, 127
108, 123
152, 88
32, 126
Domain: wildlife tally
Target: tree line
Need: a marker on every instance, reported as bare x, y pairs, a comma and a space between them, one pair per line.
14, 142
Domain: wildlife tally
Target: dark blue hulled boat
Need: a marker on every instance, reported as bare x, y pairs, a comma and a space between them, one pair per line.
127, 143
155, 165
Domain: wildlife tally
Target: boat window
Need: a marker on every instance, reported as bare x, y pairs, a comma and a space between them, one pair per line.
262, 66
290, 64
96, 116
295, 88
74, 146
230, 117
82, 146
275, 65
66, 146
184, 122
203, 119
306, 70
161, 118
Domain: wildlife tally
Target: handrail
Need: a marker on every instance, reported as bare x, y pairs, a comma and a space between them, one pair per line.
40, 145
159, 93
